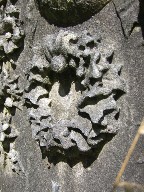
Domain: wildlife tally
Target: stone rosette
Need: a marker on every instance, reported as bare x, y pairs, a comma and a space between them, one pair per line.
72, 93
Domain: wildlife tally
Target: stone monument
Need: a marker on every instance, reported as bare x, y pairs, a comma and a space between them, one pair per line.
71, 93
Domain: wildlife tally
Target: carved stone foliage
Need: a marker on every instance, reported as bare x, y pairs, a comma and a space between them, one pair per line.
11, 38
69, 12
72, 93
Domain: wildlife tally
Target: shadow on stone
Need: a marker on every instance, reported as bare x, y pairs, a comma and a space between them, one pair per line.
141, 16
69, 13
72, 93
73, 156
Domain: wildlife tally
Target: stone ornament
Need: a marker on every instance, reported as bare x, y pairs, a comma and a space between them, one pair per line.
11, 39
73, 87
11, 33
69, 12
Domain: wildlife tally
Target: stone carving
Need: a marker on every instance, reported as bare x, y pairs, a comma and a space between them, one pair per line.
72, 92
11, 38
69, 12
9, 100
11, 33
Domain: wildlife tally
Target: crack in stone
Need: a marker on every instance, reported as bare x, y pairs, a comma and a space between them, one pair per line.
121, 23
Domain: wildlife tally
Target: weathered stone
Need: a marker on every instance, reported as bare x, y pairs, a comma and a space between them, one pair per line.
121, 26
88, 87
11, 38
69, 12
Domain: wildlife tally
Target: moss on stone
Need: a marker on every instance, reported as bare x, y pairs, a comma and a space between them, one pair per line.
69, 12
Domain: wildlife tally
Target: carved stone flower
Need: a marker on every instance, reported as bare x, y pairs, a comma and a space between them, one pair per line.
72, 92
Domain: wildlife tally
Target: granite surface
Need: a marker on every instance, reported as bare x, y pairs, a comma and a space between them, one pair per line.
120, 24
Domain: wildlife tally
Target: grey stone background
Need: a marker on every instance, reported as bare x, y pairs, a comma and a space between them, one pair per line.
120, 22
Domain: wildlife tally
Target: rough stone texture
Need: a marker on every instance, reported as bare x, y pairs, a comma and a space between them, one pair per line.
73, 88
11, 36
119, 23
69, 12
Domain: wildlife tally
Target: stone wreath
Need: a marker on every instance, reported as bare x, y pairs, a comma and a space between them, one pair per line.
73, 87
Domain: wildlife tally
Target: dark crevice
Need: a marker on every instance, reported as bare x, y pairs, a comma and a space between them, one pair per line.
97, 128
33, 85
98, 60
92, 81
14, 56
119, 72
8, 131
81, 47
29, 104
87, 61
91, 44
105, 112
45, 130
75, 2
121, 23
43, 117
141, 16
105, 136
65, 81
79, 86
6, 144
57, 141
117, 115
73, 41
34, 31
77, 131
13, 170
35, 70
42, 96
110, 58
12, 111
92, 100
3, 2
118, 94
84, 115
72, 156
5, 159
13, 1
